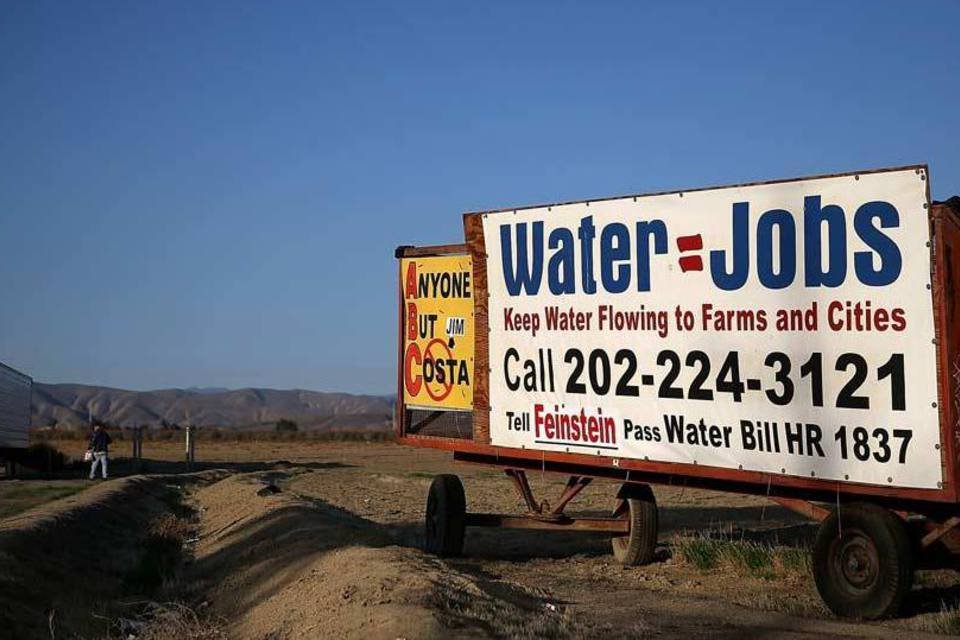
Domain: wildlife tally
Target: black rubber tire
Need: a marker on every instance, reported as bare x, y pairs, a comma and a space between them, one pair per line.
639, 546
446, 517
863, 562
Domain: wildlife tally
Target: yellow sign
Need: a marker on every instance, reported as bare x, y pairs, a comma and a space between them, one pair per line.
438, 332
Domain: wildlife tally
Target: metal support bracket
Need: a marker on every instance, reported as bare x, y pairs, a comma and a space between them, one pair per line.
805, 508
542, 510
539, 515
939, 531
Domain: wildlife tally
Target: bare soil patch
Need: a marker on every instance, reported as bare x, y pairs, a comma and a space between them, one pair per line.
282, 566
65, 566
333, 551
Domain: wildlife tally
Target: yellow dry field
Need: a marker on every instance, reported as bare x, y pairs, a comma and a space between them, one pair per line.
385, 485
336, 552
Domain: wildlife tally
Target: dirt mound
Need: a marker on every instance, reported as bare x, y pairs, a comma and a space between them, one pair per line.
62, 563
279, 566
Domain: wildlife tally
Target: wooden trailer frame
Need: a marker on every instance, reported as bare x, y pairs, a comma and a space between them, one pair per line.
934, 513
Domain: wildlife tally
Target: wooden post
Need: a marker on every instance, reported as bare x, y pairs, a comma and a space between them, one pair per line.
137, 445
190, 446
140, 448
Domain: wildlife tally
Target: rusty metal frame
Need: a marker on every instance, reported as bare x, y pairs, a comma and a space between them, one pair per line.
938, 531
805, 508
520, 483
575, 484
794, 492
539, 515
600, 525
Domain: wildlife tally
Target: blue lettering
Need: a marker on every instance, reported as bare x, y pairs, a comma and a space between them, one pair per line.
586, 234
787, 250
813, 218
561, 270
611, 253
527, 277
888, 251
740, 250
645, 230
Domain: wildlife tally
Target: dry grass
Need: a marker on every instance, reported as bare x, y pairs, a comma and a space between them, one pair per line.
161, 554
503, 610
946, 621
758, 559
170, 527
170, 621
16, 497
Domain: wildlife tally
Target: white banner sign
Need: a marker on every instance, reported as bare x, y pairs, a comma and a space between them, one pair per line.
784, 328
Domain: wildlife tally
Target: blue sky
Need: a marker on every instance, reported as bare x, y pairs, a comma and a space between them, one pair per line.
196, 193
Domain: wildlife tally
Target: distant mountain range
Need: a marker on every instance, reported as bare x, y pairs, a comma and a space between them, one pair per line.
73, 404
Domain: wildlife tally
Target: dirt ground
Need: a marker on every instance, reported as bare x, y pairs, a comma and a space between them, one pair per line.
335, 553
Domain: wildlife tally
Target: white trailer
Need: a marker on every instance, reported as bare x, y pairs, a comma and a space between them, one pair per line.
15, 396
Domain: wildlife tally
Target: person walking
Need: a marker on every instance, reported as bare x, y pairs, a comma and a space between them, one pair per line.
99, 444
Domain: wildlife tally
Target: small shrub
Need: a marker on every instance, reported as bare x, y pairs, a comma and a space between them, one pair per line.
80, 432
793, 560
172, 621
700, 551
42, 456
160, 553
706, 551
284, 425
946, 621
170, 527
752, 557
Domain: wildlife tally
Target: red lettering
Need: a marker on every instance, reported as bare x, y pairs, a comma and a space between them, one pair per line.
411, 286
411, 321
899, 319
412, 384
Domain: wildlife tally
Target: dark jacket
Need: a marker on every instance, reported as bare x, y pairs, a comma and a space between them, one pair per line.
99, 440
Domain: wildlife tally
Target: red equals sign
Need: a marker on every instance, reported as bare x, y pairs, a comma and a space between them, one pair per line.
690, 243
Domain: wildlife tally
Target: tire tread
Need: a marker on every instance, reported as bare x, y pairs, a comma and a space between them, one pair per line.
895, 553
452, 505
640, 545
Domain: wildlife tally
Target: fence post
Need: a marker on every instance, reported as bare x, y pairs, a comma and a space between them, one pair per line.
138, 447
190, 446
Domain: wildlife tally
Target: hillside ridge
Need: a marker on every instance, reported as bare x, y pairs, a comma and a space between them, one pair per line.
70, 404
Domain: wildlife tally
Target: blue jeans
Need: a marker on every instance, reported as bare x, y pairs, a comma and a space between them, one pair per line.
99, 457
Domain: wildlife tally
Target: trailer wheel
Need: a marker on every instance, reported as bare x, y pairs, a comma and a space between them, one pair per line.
863, 562
446, 515
638, 505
